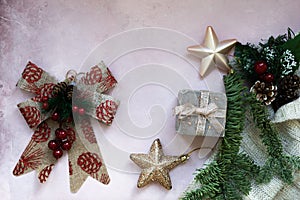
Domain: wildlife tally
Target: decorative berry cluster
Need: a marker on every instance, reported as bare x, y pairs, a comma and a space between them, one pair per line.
61, 142
261, 68
270, 65
60, 103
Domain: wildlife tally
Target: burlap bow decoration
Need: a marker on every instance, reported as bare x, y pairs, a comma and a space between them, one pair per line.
84, 157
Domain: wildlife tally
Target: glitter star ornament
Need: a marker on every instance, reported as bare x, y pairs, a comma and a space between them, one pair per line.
156, 166
212, 52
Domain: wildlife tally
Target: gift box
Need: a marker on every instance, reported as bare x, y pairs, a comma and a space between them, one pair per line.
201, 113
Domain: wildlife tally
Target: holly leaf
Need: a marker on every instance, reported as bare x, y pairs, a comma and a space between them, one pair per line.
294, 46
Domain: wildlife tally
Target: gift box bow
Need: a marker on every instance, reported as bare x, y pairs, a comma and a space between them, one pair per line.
206, 111
84, 157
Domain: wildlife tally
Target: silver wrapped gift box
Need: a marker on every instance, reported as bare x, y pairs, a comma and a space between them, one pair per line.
201, 113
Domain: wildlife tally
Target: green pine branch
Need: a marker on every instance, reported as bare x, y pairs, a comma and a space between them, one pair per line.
277, 164
245, 57
237, 169
230, 175
61, 105
271, 51
210, 178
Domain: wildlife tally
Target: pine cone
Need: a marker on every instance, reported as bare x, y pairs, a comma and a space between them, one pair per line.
69, 92
265, 92
59, 88
63, 89
288, 90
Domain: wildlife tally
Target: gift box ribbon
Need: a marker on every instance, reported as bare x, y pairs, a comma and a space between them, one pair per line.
206, 111
84, 157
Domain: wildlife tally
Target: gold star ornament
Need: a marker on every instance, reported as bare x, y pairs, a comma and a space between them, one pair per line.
156, 166
212, 52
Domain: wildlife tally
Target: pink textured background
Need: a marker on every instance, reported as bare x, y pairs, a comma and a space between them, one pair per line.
60, 34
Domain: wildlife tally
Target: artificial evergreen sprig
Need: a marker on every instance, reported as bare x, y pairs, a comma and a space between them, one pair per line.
210, 179
277, 164
265, 66
281, 54
293, 44
230, 175
237, 169
61, 106
245, 56
62, 100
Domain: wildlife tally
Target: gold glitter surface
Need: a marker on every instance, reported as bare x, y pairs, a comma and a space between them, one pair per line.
212, 51
156, 166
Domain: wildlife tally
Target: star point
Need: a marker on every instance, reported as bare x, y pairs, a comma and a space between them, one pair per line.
212, 52
155, 166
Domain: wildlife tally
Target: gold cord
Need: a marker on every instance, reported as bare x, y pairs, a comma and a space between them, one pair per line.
186, 156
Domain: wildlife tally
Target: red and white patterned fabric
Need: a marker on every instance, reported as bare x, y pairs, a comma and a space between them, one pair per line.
106, 111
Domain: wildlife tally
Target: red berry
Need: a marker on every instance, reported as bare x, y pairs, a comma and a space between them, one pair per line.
45, 106
66, 145
75, 109
53, 144
57, 153
55, 116
45, 98
269, 78
71, 135
61, 134
260, 67
81, 111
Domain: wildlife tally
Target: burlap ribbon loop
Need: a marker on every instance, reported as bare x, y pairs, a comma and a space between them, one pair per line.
188, 109
290, 111
85, 158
